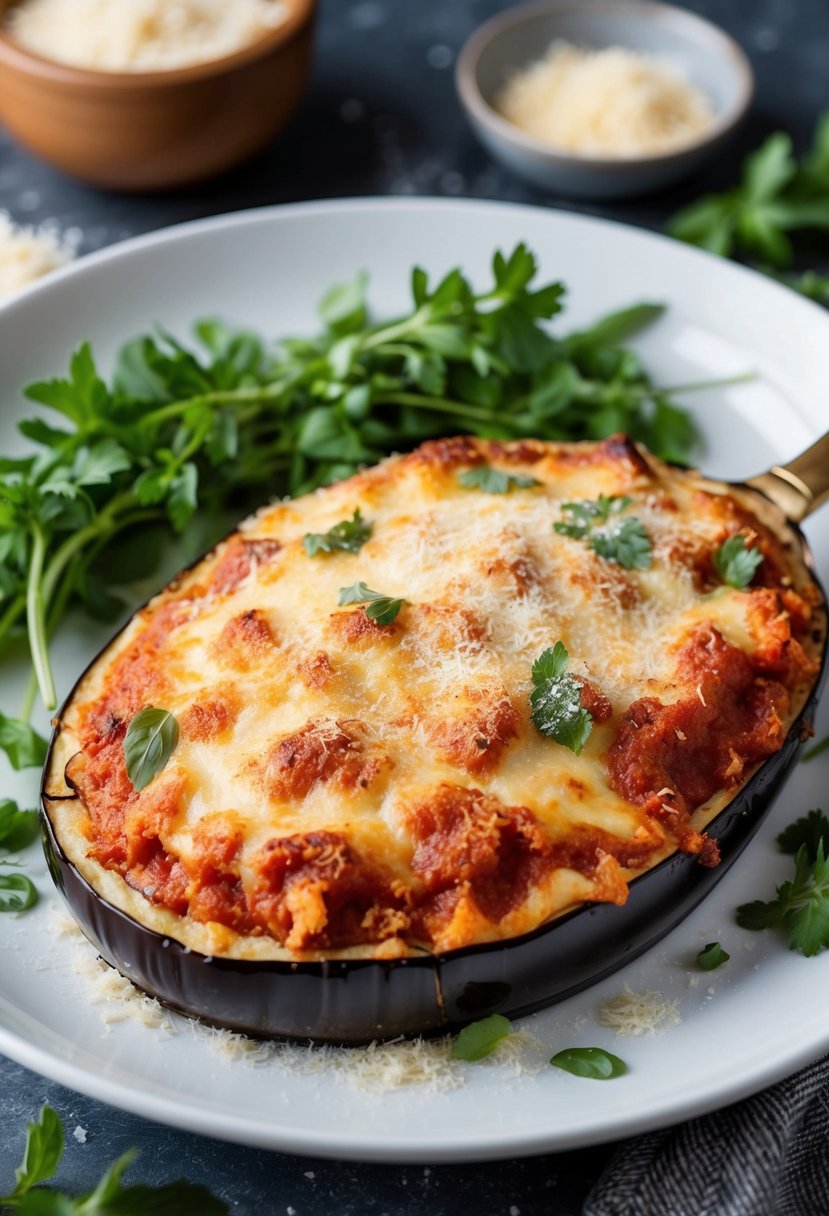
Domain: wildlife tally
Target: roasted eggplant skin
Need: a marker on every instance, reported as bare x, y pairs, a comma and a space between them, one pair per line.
356, 1001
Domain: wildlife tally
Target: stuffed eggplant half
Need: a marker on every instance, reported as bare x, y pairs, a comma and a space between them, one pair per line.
465, 732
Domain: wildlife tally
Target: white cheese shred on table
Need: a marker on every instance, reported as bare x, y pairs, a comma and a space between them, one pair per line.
27, 254
612, 102
636, 1013
140, 35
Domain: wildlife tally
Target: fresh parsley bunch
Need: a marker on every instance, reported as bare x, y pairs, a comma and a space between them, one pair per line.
777, 196
181, 434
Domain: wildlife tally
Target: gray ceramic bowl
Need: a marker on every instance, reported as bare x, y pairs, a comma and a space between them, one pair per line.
519, 36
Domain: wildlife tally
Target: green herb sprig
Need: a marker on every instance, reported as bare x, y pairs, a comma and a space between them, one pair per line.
624, 541
735, 563
777, 196
348, 536
556, 700
380, 608
41, 1158
801, 905
494, 481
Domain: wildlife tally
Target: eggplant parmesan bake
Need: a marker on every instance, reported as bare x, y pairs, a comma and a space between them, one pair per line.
435, 705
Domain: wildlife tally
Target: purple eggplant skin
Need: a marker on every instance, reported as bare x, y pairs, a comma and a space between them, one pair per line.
357, 1001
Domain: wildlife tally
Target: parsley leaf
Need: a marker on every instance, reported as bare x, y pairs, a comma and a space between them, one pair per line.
556, 701
380, 608
348, 536
712, 956
480, 1039
735, 564
41, 1158
494, 481
807, 832
625, 541
777, 195
151, 739
800, 907
593, 1062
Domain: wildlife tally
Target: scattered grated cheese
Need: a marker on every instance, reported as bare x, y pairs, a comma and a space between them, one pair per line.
27, 254
79, 1134
140, 35
611, 102
637, 1013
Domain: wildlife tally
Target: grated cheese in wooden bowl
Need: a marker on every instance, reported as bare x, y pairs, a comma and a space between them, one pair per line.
140, 35
613, 102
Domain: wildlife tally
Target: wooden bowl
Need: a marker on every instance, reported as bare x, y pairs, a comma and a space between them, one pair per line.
137, 131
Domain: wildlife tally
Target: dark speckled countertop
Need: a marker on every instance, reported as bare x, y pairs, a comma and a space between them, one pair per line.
380, 118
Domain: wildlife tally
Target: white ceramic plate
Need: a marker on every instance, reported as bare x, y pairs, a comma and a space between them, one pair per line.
742, 1027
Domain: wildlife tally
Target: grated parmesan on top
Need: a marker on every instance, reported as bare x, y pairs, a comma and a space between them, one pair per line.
27, 254
636, 1013
610, 102
140, 35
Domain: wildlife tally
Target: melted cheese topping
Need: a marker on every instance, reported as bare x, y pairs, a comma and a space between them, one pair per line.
342, 788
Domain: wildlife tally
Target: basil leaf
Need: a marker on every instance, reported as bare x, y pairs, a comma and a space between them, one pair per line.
735, 564
556, 701
494, 481
384, 610
348, 536
593, 1062
480, 1039
151, 739
24, 747
22, 893
17, 828
712, 956
44, 1149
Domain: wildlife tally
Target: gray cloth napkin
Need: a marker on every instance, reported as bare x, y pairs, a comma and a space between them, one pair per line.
765, 1156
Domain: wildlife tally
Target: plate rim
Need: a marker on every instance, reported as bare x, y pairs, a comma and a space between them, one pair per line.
186, 1113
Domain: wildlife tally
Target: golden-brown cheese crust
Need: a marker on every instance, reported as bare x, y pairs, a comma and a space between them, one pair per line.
346, 787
